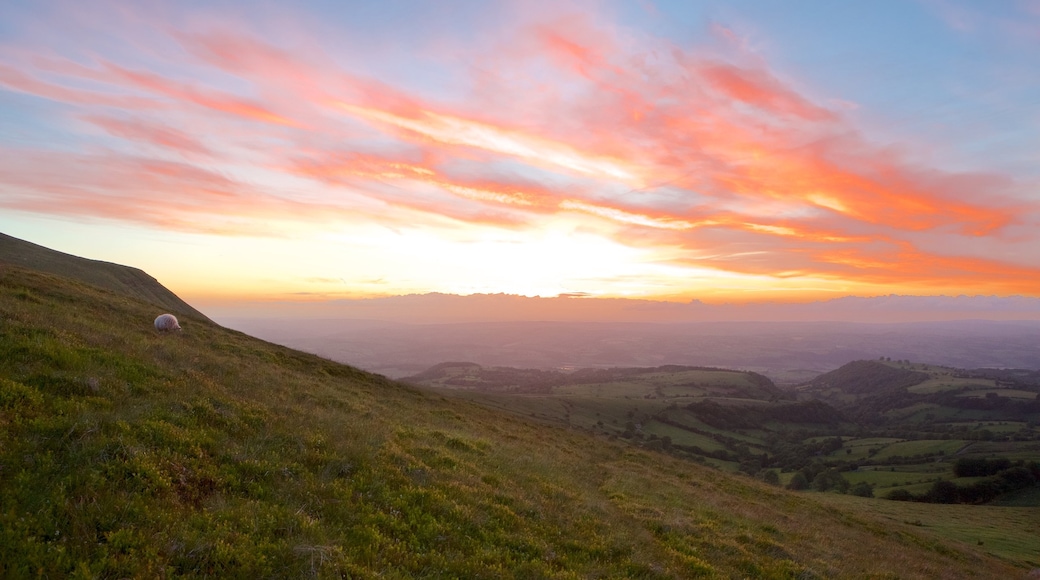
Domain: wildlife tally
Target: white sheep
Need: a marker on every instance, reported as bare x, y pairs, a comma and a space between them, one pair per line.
165, 322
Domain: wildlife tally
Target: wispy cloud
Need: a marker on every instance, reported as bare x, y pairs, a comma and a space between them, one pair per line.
710, 159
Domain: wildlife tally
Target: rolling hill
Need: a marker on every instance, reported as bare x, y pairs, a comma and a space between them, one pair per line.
123, 280
912, 394
129, 453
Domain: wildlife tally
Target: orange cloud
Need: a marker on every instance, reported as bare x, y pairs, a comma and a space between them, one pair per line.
701, 158
497, 139
758, 88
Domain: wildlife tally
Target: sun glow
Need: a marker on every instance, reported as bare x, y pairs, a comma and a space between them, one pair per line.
566, 151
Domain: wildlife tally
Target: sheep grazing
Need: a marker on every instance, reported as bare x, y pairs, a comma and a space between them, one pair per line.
166, 322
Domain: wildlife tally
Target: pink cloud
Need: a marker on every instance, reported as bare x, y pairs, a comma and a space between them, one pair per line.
716, 156
149, 132
17, 80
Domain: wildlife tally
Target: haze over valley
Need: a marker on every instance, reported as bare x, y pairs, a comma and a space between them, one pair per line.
788, 352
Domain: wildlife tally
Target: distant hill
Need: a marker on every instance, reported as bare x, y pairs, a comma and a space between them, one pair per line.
697, 381
916, 393
867, 377
127, 453
124, 280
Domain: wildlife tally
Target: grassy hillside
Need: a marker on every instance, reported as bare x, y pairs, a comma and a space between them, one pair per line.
727, 418
866, 377
127, 453
920, 395
124, 280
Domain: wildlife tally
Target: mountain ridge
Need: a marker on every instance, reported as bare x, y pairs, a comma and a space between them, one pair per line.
124, 280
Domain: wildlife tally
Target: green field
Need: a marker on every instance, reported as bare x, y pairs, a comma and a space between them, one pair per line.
883, 479
920, 447
1009, 393
1004, 427
941, 383
1007, 532
1014, 450
682, 436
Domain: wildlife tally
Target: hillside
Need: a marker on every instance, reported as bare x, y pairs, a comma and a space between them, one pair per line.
914, 394
669, 381
866, 377
123, 280
722, 417
127, 453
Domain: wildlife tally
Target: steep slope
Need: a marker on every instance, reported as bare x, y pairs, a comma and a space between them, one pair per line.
124, 280
127, 453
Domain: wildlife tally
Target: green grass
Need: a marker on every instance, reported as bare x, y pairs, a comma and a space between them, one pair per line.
883, 478
128, 282
1006, 532
1013, 450
1029, 497
995, 426
1009, 393
682, 436
944, 382
127, 453
920, 447
860, 447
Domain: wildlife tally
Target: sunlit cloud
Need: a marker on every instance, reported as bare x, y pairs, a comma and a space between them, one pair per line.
631, 218
566, 138
456, 131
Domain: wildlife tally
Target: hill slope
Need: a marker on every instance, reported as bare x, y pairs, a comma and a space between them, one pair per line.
124, 280
126, 453
867, 377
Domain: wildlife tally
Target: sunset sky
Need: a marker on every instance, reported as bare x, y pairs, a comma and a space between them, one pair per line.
721, 151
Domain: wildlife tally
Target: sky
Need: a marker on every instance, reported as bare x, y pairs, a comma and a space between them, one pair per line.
726, 152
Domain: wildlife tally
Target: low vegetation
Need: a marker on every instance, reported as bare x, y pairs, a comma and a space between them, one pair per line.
129, 453
885, 429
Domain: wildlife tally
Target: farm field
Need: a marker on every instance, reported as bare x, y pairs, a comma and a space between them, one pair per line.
919, 447
737, 422
947, 383
1009, 393
1007, 532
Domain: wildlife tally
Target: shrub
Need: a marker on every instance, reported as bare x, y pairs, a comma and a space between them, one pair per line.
798, 482
900, 495
862, 489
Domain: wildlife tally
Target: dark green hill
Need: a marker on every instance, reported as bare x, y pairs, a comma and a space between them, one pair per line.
128, 453
123, 280
867, 377
650, 382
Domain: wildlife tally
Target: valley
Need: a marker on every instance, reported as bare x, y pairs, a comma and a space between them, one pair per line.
877, 429
125, 452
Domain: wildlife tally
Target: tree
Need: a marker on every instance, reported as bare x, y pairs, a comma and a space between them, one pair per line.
942, 491
798, 482
771, 477
830, 479
750, 465
862, 489
900, 495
